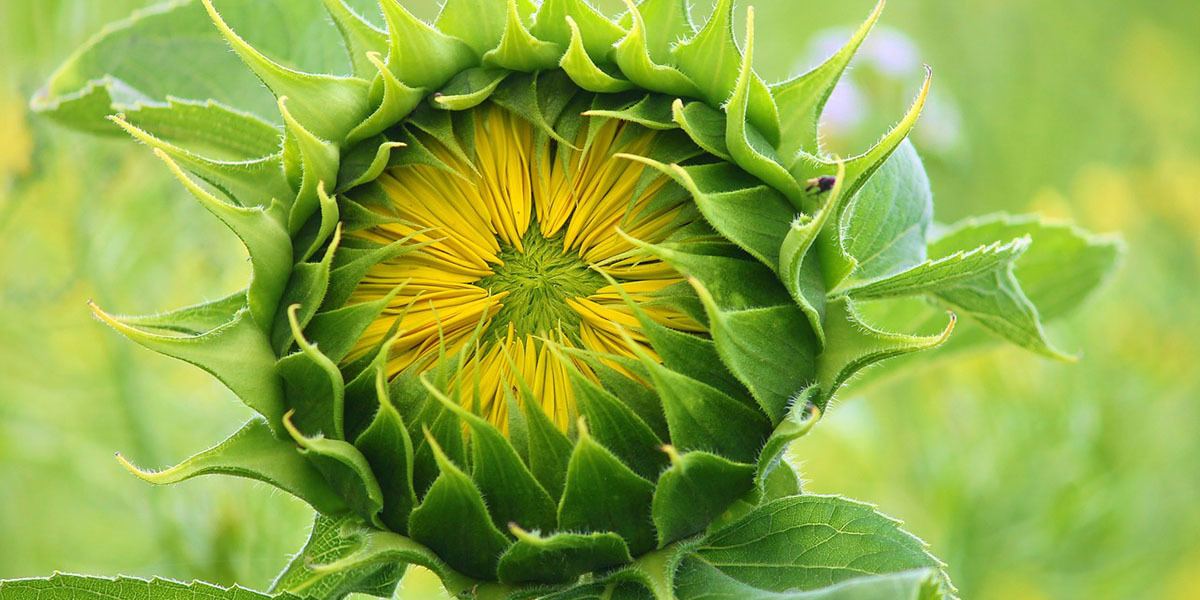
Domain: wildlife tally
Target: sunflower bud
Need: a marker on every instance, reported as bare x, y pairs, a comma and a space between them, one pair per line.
540, 297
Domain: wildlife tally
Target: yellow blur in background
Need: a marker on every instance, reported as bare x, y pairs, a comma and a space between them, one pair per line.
1031, 479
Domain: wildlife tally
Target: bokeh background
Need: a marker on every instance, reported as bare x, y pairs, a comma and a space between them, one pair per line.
1032, 479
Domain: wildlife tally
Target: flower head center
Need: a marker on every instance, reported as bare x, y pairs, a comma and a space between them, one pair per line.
536, 282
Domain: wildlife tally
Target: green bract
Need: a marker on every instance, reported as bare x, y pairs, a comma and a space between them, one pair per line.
670, 480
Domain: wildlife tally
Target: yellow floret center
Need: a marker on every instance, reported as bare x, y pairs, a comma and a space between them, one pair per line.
516, 244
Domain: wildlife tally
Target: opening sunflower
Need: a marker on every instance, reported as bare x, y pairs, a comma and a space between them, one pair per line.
521, 246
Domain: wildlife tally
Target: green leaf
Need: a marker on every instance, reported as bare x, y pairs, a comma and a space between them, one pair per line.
963, 268
652, 112
208, 128
453, 521
1072, 264
1060, 270
83, 587
480, 25
735, 279
195, 319
713, 61
604, 495
234, 151
397, 102
254, 453
559, 20
136, 61
748, 213
311, 164
470, 88
261, 232
314, 386
836, 263
333, 539
698, 580
809, 542
578, 63
885, 225
802, 415
704, 124
549, 450
683, 352
697, 488
560, 558
306, 287
359, 36
420, 55
384, 548
336, 331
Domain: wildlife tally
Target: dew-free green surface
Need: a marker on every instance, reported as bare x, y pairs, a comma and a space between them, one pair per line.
1032, 479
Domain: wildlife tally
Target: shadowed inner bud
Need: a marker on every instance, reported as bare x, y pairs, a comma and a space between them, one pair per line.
514, 240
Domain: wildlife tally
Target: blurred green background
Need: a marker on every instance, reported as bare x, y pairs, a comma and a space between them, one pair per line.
1032, 479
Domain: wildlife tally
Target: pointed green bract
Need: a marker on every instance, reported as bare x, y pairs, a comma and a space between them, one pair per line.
802, 98
560, 558
772, 361
360, 37
234, 352
509, 489
254, 452
386, 445
265, 239
603, 495
330, 106
346, 470
697, 488
453, 521
420, 55
852, 345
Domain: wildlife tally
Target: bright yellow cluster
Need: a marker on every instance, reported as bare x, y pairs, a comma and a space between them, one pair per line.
515, 243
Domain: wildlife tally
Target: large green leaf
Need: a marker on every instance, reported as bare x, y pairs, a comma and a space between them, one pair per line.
809, 542
174, 50
83, 587
698, 580
944, 274
1063, 266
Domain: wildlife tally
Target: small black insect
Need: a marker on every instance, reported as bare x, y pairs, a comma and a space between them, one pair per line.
820, 185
